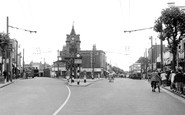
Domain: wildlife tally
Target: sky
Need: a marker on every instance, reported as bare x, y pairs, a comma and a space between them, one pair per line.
100, 22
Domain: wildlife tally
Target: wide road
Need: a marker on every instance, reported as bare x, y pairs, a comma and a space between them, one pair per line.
47, 96
38, 96
123, 97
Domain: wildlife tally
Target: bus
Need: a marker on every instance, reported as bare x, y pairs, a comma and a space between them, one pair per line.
135, 71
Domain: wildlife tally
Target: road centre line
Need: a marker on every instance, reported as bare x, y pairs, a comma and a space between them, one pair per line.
65, 102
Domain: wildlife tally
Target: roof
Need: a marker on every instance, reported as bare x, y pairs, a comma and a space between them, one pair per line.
73, 31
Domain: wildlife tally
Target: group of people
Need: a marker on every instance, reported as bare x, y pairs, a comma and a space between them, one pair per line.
177, 80
174, 79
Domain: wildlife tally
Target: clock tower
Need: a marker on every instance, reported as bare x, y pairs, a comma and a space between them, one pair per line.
73, 39
71, 54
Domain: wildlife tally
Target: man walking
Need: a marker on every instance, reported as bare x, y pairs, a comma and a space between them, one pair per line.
155, 81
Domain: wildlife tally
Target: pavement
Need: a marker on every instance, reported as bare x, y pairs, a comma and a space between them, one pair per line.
6, 83
168, 89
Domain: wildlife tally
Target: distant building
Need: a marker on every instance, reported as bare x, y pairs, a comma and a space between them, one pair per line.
40, 66
96, 61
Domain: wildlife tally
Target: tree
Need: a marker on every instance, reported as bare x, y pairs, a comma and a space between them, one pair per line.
144, 62
171, 26
4, 43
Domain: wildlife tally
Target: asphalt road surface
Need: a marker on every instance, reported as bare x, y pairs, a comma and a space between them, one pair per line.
38, 96
47, 96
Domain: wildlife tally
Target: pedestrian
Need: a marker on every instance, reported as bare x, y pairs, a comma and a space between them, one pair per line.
183, 82
67, 77
155, 81
85, 78
5, 74
178, 79
72, 79
163, 78
9, 76
171, 78
24, 74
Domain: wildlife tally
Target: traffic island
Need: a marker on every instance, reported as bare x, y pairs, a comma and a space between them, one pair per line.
81, 83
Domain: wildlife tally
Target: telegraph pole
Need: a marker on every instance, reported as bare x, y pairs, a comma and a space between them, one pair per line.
44, 68
161, 53
58, 64
93, 60
23, 61
9, 52
151, 51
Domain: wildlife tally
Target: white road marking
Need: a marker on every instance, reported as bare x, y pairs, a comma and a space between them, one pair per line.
60, 108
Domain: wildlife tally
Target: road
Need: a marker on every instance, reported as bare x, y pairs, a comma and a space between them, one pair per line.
38, 96
46, 96
123, 97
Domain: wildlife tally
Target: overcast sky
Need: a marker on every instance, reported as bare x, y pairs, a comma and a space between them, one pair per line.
100, 22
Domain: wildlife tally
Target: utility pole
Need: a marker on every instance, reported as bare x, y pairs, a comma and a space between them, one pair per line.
151, 51
9, 52
146, 62
44, 68
23, 61
16, 58
93, 60
161, 53
58, 64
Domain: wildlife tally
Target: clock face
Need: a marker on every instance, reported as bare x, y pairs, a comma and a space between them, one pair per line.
73, 38
78, 55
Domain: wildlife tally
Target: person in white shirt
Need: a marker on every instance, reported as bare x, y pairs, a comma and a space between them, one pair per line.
172, 75
163, 78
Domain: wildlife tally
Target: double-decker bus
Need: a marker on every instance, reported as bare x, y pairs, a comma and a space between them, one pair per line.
135, 71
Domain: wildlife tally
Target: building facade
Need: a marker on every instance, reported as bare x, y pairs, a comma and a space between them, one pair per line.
154, 54
93, 62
